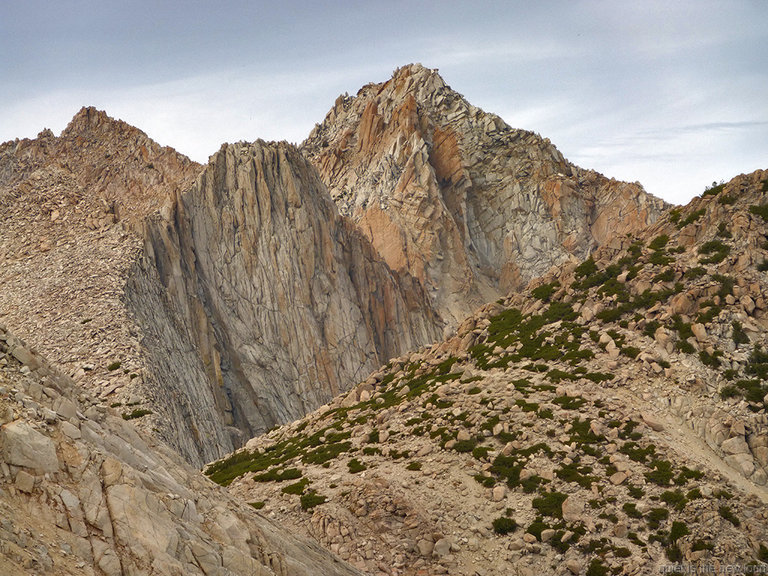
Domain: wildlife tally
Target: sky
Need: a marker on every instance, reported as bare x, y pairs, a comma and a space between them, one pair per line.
671, 94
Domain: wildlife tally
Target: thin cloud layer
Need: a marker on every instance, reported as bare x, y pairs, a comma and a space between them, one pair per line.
668, 94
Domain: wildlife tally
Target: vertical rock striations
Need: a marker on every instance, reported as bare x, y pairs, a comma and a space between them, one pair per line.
271, 302
469, 206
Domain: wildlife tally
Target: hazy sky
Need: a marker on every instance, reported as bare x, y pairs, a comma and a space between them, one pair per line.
673, 94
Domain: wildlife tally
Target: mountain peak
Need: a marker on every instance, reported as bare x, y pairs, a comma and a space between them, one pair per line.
438, 185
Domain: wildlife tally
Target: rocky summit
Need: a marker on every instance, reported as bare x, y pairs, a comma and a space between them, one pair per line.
468, 206
422, 342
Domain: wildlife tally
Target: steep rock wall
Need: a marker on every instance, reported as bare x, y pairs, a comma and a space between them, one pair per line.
271, 302
454, 196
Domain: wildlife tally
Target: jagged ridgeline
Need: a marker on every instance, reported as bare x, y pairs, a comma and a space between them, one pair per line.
467, 205
209, 304
611, 417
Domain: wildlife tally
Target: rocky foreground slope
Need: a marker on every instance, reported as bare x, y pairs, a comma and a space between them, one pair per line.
611, 419
83, 493
467, 205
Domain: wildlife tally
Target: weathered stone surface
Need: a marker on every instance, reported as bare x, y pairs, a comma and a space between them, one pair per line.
573, 507
282, 306
468, 206
123, 503
24, 446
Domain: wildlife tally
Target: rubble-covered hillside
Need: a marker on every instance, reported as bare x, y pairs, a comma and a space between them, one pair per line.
610, 420
83, 493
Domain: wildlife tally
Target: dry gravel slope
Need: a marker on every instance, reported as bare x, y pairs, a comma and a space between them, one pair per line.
612, 419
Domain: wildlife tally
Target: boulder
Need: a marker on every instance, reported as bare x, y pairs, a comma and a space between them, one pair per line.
24, 446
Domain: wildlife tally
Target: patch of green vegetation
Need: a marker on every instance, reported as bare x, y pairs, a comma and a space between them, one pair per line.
666, 275
355, 466
311, 499
760, 210
550, 504
545, 291
691, 218
631, 351
296, 488
722, 231
661, 474
655, 516
464, 446
714, 189
504, 525
635, 491
371, 450
660, 258
659, 242
138, 413
726, 513
716, 251
631, 511
257, 505
711, 360
695, 272
674, 498
486, 481
581, 475
114, 366
569, 402
597, 568
413, 466
480, 452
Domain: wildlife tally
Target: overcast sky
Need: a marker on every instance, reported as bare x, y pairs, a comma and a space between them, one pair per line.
673, 94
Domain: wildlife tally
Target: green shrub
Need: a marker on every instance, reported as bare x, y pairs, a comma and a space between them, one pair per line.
311, 499
716, 251
355, 466
761, 210
691, 218
714, 189
414, 466
296, 488
655, 516
138, 413
465, 445
114, 366
278, 475
727, 514
550, 504
597, 568
504, 525
659, 242
661, 474
257, 505
722, 231
631, 511
545, 291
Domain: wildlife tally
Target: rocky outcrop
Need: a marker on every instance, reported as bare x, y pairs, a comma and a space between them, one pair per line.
73, 208
83, 493
610, 418
467, 205
258, 302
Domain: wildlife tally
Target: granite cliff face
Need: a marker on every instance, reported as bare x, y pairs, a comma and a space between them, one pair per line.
258, 302
223, 306
467, 205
